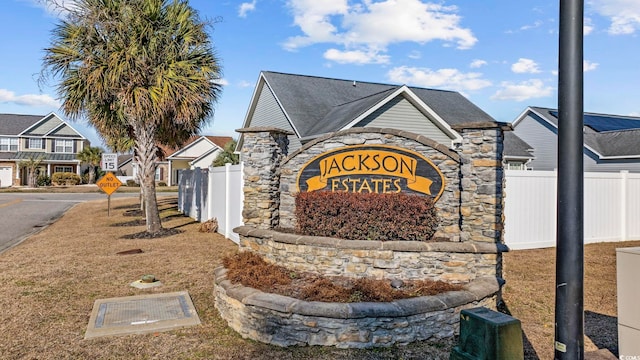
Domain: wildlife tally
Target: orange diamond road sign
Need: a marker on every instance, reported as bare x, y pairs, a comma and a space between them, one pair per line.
109, 183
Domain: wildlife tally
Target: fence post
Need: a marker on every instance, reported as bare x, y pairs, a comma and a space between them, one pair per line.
624, 182
227, 212
210, 194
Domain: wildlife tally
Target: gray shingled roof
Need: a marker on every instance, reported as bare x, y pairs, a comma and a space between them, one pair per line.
516, 147
14, 124
317, 105
615, 143
605, 143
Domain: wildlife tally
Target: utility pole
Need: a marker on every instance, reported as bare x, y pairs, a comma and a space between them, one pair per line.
569, 309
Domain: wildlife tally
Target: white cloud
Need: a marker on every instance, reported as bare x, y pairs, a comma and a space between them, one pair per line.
38, 100
55, 8
415, 55
525, 66
221, 81
589, 66
623, 14
356, 57
369, 26
588, 26
477, 63
536, 24
245, 84
530, 89
246, 7
451, 79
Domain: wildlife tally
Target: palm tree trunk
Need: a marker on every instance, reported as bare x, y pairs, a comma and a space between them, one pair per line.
92, 174
146, 153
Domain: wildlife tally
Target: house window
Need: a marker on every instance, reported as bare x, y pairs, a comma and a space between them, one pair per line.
158, 174
58, 168
8, 144
64, 146
516, 165
35, 143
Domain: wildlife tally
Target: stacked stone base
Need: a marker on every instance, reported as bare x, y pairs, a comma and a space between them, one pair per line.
285, 321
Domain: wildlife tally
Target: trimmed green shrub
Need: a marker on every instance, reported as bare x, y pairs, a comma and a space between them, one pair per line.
65, 178
162, 183
132, 183
367, 216
43, 180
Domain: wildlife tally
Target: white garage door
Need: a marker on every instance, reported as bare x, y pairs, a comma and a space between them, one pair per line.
6, 174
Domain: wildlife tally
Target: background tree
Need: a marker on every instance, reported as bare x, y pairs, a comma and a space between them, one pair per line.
32, 165
146, 67
227, 155
91, 156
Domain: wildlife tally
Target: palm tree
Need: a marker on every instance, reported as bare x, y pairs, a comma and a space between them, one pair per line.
32, 165
141, 67
91, 155
227, 155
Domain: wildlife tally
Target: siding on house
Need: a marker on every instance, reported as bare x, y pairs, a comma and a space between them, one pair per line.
269, 113
400, 113
64, 131
44, 127
194, 150
593, 164
543, 138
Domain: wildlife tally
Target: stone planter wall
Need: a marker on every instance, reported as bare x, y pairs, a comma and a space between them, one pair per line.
469, 209
452, 262
285, 321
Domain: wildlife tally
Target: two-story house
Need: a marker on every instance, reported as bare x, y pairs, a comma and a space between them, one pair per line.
47, 138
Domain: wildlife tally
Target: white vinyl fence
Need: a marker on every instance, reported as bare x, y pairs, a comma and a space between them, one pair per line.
226, 198
611, 204
611, 208
213, 193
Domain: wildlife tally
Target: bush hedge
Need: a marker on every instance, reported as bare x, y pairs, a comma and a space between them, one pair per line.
368, 216
43, 180
65, 178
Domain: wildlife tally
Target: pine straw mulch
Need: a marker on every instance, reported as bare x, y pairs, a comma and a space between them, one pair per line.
251, 270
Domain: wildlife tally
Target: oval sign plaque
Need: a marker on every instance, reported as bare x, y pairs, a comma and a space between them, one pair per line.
372, 169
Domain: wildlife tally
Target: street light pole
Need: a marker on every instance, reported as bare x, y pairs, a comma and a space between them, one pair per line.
569, 309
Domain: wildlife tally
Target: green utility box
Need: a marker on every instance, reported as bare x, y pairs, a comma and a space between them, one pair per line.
488, 335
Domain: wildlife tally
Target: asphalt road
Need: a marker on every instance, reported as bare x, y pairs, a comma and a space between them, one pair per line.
24, 214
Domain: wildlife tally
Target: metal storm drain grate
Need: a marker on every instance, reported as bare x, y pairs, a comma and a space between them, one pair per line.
141, 314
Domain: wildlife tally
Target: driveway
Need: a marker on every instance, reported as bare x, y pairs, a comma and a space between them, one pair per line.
24, 214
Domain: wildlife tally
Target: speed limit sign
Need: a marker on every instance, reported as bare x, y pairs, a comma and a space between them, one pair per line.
109, 162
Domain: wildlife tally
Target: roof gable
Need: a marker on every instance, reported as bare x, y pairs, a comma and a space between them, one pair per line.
200, 146
316, 105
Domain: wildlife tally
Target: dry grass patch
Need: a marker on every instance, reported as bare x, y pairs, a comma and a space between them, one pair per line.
48, 285
529, 295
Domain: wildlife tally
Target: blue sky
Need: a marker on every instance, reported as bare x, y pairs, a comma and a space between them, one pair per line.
501, 54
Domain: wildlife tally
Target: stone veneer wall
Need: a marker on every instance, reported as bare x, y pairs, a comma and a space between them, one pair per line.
447, 161
285, 321
470, 209
483, 181
453, 262
263, 150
